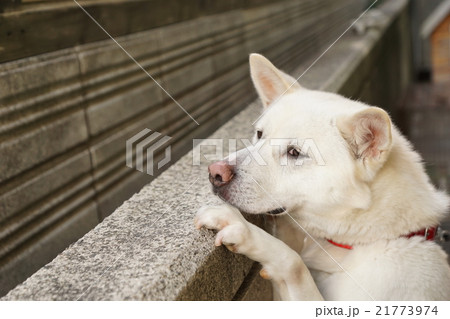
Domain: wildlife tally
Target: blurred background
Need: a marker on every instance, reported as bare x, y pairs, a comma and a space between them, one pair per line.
70, 96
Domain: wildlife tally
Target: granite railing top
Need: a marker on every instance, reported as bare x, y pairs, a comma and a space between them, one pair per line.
148, 249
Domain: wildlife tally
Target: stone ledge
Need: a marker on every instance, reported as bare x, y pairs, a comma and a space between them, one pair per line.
148, 248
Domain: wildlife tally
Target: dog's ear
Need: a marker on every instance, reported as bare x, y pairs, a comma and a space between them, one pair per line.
270, 83
369, 136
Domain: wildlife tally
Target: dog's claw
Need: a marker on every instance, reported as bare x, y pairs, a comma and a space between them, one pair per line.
264, 274
231, 247
218, 241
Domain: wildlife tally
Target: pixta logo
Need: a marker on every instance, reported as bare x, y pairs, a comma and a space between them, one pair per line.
144, 145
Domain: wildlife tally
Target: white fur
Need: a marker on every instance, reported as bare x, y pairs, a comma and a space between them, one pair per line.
371, 191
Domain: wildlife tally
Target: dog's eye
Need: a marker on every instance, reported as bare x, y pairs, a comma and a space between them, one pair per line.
293, 152
259, 134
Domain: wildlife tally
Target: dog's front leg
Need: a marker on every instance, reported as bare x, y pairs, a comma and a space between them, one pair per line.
282, 265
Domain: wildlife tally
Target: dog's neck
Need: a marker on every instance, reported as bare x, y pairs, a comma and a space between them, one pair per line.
402, 200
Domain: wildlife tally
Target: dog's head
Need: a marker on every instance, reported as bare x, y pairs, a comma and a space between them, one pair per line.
312, 150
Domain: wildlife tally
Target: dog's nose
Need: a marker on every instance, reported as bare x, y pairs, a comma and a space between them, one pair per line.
220, 173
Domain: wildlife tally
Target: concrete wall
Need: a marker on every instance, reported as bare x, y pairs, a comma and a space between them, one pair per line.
65, 115
148, 249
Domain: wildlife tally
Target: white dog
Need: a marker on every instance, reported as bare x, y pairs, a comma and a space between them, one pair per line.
340, 172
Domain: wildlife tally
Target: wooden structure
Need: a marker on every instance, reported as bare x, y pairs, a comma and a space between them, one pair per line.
440, 51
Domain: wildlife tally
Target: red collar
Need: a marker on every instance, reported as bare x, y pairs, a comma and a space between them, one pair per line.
429, 234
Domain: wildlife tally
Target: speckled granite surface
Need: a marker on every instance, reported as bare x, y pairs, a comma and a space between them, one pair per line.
148, 248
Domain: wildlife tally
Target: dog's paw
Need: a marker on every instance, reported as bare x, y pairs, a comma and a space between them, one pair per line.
216, 217
233, 228
235, 237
